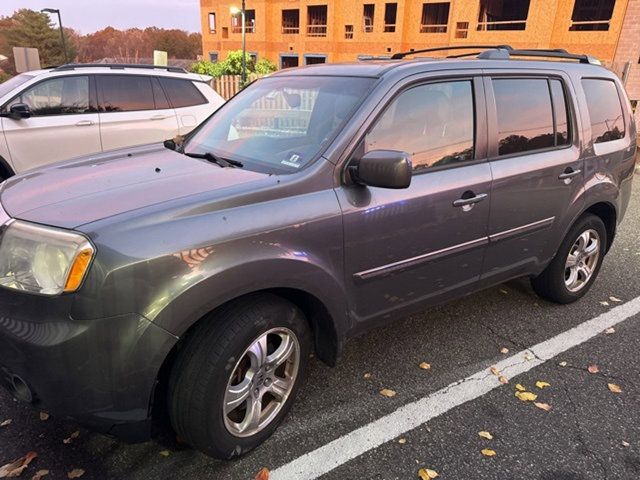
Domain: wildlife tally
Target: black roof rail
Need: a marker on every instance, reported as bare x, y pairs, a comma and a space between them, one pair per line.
117, 66
400, 55
506, 54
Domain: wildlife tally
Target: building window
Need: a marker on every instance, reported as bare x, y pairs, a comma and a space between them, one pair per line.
213, 56
291, 21
435, 17
348, 32
212, 22
591, 15
249, 22
390, 14
462, 29
289, 61
225, 32
314, 59
503, 15
317, 21
367, 17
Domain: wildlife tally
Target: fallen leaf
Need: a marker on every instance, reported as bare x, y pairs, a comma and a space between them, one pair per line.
75, 473
486, 435
615, 299
495, 371
540, 384
165, 453
263, 474
614, 388
562, 364
520, 387
528, 357
425, 366
15, 468
427, 474
487, 452
73, 436
610, 330
526, 396
367, 375
593, 368
626, 444
402, 441
44, 416
504, 350
543, 406
604, 304
503, 291
385, 392
6, 423
502, 379
39, 474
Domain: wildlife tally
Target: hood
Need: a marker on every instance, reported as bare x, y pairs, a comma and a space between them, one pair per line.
81, 191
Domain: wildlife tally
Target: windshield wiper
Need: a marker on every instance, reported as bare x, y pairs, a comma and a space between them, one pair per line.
223, 162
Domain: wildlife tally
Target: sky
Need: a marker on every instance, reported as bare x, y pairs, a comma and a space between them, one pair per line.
87, 16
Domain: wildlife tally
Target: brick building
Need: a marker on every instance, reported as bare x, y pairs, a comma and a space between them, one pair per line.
300, 32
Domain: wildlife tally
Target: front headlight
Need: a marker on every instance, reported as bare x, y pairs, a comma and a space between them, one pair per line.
43, 260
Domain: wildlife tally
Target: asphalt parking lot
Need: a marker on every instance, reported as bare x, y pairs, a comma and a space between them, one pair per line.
589, 431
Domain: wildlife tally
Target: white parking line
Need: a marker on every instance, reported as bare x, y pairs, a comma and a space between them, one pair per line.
324, 459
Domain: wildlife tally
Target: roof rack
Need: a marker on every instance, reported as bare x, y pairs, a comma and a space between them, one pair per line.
400, 55
118, 66
507, 53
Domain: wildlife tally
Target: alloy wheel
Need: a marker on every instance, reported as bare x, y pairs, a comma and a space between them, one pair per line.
582, 260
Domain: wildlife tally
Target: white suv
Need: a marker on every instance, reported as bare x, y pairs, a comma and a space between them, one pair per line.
80, 109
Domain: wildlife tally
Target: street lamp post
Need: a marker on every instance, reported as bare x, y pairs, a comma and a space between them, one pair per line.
64, 46
242, 11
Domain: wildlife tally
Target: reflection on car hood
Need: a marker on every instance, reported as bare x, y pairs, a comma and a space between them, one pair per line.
80, 191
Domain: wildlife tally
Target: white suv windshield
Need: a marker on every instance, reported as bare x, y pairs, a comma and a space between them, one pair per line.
13, 82
280, 124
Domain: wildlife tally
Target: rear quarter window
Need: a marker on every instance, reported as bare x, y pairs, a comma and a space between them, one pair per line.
182, 93
605, 109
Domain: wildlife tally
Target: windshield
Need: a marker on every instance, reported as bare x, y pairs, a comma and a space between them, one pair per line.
13, 82
280, 124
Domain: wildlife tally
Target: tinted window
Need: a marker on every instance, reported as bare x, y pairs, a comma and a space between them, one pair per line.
58, 96
607, 121
525, 118
126, 93
182, 93
158, 96
560, 111
434, 123
13, 82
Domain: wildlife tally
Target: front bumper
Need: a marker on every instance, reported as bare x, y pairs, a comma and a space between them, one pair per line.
99, 372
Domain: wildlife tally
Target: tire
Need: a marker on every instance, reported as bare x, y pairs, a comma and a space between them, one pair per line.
563, 284
215, 352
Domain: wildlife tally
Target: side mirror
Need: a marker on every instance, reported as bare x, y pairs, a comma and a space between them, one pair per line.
19, 111
383, 168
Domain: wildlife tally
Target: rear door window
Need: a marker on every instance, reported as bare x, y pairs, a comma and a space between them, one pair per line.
126, 93
605, 110
182, 93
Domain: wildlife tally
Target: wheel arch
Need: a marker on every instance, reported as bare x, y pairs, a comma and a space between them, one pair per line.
5, 169
606, 211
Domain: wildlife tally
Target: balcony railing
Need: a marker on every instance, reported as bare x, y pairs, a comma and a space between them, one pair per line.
389, 27
590, 25
290, 30
316, 30
503, 25
238, 28
433, 28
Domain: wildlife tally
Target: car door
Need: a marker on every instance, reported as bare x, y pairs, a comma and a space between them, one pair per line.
424, 243
63, 124
133, 111
537, 172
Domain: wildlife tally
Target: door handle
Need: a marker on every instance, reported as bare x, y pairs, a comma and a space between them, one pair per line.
569, 173
84, 123
159, 117
468, 200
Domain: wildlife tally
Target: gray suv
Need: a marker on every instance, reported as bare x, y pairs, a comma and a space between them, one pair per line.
191, 281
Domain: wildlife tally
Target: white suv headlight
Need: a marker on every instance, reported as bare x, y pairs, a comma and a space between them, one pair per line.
43, 260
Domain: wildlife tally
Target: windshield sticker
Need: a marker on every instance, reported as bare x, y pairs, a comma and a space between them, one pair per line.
293, 161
